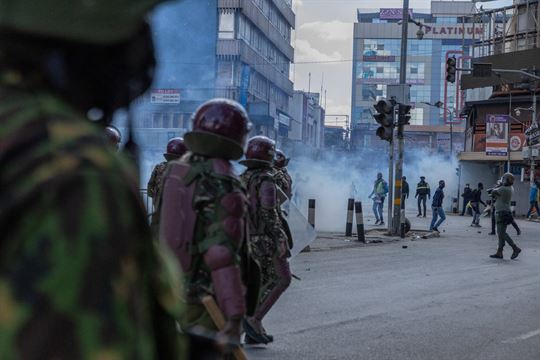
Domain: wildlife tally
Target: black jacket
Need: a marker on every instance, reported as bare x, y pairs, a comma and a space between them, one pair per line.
438, 198
405, 189
466, 194
476, 196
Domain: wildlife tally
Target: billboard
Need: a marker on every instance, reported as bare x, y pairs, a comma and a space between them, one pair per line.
393, 13
496, 135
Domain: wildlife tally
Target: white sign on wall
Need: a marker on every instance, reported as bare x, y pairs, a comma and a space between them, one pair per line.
165, 96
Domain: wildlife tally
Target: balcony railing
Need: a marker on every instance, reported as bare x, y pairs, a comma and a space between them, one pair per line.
238, 48
255, 15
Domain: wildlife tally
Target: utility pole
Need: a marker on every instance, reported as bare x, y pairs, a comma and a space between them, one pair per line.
399, 215
533, 164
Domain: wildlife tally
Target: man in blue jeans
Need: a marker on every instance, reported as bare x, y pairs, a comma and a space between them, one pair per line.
436, 205
380, 189
533, 200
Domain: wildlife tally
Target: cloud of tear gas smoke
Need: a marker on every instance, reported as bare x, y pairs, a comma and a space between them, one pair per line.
337, 177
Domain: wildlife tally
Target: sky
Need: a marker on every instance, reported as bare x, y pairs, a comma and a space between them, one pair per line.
324, 33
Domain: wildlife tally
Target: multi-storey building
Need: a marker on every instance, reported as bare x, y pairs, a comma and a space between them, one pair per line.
236, 49
448, 31
510, 41
307, 122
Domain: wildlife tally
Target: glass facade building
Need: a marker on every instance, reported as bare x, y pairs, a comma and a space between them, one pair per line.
376, 62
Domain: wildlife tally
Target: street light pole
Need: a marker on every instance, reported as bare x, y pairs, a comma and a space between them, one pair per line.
399, 211
533, 165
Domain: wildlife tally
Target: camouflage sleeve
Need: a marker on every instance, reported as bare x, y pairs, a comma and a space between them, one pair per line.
76, 273
268, 211
152, 183
224, 206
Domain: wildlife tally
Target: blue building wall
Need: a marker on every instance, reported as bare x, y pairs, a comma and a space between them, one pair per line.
185, 35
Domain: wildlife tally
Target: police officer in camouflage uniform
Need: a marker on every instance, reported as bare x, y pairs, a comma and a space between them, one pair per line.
283, 179
268, 242
203, 215
175, 150
78, 270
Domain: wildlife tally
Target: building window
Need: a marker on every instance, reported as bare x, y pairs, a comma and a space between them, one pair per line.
380, 69
414, 70
226, 25
380, 46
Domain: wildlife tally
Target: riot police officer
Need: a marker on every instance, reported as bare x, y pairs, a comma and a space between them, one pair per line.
203, 215
267, 241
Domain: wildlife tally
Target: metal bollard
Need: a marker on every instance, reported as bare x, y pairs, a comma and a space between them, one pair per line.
513, 208
350, 210
311, 219
311, 212
359, 221
455, 209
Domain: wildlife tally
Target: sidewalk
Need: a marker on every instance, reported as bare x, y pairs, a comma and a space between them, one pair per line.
454, 226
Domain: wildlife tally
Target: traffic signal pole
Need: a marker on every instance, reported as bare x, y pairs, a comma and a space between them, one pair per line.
399, 211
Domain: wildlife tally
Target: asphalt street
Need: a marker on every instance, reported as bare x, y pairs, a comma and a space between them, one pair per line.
438, 299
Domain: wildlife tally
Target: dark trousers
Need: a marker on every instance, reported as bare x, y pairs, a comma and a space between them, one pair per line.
422, 200
464, 208
476, 212
494, 222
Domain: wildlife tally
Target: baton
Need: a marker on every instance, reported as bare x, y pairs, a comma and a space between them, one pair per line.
219, 320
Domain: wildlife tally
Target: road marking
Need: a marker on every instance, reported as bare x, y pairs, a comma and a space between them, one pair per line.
522, 337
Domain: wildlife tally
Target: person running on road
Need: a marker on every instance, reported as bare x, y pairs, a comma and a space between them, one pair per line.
380, 189
436, 205
476, 200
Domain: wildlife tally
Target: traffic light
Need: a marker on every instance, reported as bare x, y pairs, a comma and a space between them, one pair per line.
404, 112
451, 69
385, 117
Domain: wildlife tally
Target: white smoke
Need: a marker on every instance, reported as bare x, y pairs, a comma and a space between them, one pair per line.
337, 177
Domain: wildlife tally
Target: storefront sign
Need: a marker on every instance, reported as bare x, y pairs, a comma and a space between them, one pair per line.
496, 135
165, 96
516, 142
453, 30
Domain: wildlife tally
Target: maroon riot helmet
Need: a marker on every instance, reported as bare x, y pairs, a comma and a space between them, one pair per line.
113, 136
281, 160
220, 129
175, 149
260, 151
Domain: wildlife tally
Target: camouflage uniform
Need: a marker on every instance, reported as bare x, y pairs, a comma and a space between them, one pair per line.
78, 271
156, 179
283, 180
202, 215
268, 242
212, 183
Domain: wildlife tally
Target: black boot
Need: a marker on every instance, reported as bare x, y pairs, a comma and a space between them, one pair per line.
498, 254
516, 252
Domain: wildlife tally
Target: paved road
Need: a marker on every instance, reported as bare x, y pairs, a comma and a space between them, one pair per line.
439, 299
